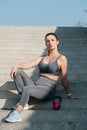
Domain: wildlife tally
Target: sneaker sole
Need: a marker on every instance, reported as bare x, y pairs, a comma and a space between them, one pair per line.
12, 121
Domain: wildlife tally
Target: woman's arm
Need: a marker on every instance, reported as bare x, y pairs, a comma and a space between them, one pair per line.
25, 66
63, 67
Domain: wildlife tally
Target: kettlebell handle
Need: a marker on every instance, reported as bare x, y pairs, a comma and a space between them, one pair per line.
57, 97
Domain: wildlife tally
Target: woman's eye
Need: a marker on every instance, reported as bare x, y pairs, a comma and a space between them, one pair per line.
52, 39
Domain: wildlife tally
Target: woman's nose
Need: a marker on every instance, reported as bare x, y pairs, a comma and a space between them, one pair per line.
50, 42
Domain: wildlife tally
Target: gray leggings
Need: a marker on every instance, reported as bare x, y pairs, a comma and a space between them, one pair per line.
43, 89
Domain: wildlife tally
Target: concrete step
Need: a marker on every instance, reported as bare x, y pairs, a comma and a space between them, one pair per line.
76, 32
78, 105
48, 120
10, 98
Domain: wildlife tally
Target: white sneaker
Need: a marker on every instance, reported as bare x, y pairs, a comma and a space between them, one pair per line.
14, 117
26, 107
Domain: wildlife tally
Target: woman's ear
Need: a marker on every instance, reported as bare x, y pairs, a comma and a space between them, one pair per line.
58, 42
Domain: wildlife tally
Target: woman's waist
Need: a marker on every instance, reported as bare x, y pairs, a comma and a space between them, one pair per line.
43, 80
51, 77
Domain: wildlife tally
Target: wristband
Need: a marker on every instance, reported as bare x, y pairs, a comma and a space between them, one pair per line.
69, 94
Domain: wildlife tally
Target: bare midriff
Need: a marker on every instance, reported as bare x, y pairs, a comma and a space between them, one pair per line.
52, 77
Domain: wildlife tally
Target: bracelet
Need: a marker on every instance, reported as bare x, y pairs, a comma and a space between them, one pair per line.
69, 94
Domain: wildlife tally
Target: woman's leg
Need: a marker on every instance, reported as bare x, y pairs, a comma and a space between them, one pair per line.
21, 79
43, 90
39, 91
44, 93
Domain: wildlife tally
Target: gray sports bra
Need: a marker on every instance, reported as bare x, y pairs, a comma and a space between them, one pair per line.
51, 68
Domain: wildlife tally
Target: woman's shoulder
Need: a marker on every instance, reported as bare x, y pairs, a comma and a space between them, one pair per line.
41, 57
62, 57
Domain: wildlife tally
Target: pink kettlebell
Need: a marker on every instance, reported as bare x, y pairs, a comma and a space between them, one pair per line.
56, 104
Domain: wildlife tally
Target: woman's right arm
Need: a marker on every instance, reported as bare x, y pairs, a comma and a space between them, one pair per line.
25, 66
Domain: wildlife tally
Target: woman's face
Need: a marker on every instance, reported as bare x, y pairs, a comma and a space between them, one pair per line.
51, 42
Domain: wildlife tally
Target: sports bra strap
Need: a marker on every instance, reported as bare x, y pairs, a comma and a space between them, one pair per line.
59, 56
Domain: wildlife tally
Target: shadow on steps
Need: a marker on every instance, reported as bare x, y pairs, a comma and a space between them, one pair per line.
9, 97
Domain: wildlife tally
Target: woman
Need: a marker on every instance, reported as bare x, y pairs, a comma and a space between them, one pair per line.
51, 67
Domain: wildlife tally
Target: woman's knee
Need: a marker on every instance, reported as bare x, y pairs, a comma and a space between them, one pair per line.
26, 88
19, 71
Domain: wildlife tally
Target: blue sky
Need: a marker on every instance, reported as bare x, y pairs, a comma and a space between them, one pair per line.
43, 12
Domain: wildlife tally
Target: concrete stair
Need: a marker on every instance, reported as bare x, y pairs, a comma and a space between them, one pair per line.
24, 43
35, 120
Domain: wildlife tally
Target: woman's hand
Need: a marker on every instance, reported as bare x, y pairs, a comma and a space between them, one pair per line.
72, 97
13, 72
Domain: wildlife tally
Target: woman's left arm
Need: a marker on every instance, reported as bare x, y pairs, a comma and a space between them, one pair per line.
63, 67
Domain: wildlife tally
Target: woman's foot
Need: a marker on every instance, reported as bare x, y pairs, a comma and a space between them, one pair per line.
14, 117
